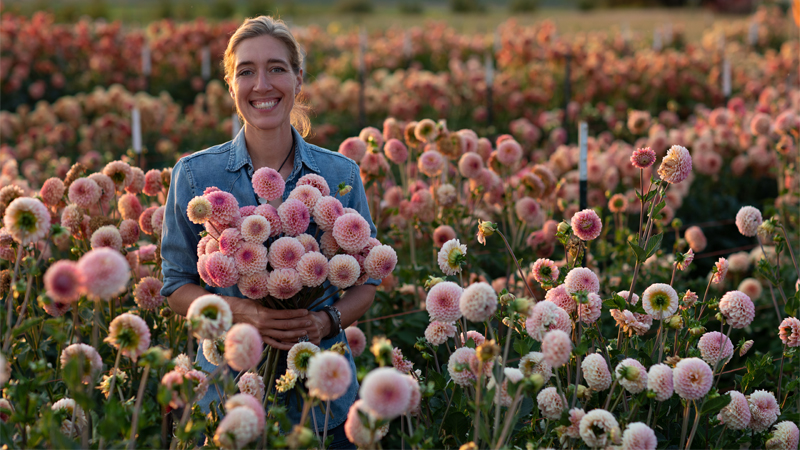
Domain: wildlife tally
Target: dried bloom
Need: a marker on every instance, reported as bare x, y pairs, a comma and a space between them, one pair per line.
437, 332
581, 279
736, 415
595, 372
545, 271
104, 273
556, 347
660, 381
329, 376
443, 302
737, 308
92, 363
748, 219
676, 166
386, 393
692, 378
785, 436
586, 225
286, 382
343, 271
764, 410
534, 363
660, 301
478, 302
597, 427
62, 282
452, 256
639, 436
299, 356
129, 334
209, 316
26, 220
356, 340
243, 346
561, 298
789, 332
632, 375
550, 403
544, 317
147, 293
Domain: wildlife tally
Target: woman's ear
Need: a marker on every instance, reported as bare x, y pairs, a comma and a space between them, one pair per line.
299, 79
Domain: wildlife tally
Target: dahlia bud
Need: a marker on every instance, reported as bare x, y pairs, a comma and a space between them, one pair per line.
432, 281
300, 437
697, 331
720, 317
166, 312
630, 373
485, 229
766, 229
382, 349
677, 223
506, 297
676, 322
344, 189
563, 227
469, 446
536, 381
584, 394
339, 348
488, 350
745, 347
651, 394
520, 306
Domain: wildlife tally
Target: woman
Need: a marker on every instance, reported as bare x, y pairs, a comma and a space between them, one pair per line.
263, 71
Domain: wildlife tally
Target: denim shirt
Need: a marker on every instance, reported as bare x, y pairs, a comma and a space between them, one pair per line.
228, 166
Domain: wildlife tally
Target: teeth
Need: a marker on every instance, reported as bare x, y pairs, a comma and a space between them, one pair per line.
264, 105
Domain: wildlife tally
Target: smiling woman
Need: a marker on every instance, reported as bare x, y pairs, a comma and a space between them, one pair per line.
263, 70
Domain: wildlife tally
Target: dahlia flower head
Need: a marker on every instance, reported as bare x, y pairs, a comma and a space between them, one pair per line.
511, 375
586, 225
639, 436
660, 381
676, 165
629, 323
556, 348
386, 393
478, 302
268, 183
789, 332
785, 436
62, 282
632, 375
359, 433
561, 298
299, 356
550, 403
329, 375
209, 316
129, 334
764, 410
459, 366
737, 308
590, 311
356, 340
748, 220
719, 271
438, 332
715, 348
597, 428
581, 279
545, 271
92, 363
595, 372
736, 415
238, 428
544, 317
692, 378
534, 363
451, 256
660, 301
27, 220
243, 346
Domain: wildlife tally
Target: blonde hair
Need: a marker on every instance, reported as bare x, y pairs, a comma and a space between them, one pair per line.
268, 26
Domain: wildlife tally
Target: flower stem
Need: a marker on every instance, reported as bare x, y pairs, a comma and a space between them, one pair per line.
521, 275
325, 427
477, 420
694, 427
780, 372
685, 421
138, 408
791, 252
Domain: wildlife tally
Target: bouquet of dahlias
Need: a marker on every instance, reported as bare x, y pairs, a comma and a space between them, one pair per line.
268, 252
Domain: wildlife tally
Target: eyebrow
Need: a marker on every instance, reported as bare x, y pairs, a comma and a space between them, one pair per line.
269, 61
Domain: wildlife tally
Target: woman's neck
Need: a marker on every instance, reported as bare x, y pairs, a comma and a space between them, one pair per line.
269, 148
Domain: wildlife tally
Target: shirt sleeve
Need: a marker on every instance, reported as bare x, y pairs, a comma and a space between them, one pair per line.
358, 201
179, 236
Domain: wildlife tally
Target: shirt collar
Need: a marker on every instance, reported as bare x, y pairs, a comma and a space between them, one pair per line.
239, 157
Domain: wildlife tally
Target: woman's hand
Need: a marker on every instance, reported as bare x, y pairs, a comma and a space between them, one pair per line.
279, 328
320, 326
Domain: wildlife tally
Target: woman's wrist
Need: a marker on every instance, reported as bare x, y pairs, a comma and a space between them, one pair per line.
325, 320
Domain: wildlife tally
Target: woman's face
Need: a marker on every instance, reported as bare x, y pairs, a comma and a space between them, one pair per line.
263, 84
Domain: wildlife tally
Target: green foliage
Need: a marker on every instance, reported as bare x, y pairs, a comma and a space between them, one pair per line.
467, 6
255, 8
524, 6
411, 7
222, 9
354, 6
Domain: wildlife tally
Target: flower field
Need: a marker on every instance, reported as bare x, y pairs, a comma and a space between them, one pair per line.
584, 241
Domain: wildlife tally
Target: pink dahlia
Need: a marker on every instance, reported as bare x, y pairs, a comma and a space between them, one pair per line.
313, 269
581, 279
696, 238
751, 287
309, 243
26, 220
107, 187
251, 384
478, 302
586, 225
676, 165
386, 393
238, 428
692, 378
590, 311
255, 286
528, 211
715, 348
544, 271
268, 183
556, 347
737, 308
120, 173
137, 181
789, 331
509, 152
470, 165
209, 316
224, 207
271, 214
632, 375
639, 436
62, 282
199, 210
107, 236
475, 336
326, 211
221, 270
71, 218
544, 317
89, 355
396, 151
628, 322
561, 298
550, 403
147, 293
533, 363
129, 232
84, 193
343, 271
285, 253
380, 262
255, 229
430, 163
104, 273
785, 436
294, 217
660, 301
284, 283
353, 148
642, 158
360, 434
437, 332
52, 191
251, 258
328, 245
459, 366
736, 415
129, 207
660, 381
157, 220
597, 428
356, 340
249, 401
399, 362
299, 356
329, 376
352, 232
764, 410
573, 430
152, 183
243, 346
146, 220
443, 234
316, 181
747, 220
129, 334
595, 372
307, 194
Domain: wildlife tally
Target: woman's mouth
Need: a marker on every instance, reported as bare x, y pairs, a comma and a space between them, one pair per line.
264, 105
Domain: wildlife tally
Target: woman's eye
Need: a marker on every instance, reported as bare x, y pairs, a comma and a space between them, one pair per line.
278, 69
245, 72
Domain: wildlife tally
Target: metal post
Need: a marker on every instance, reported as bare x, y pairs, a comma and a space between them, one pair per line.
567, 87
147, 67
489, 78
583, 131
362, 79
136, 133
726, 78
205, 64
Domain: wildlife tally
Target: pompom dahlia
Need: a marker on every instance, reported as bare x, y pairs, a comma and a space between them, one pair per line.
737, 308
104, 273
285, 253
386, 393
251, 384
26, 220
62, 282
107, 236
255, 286
326, 211
736, 415
220, 270
147, 293
590, 311
92, 363
533, 363
199, 210
595, 372
639, 436
129, 334
660, 301
284, 283
597, 427
356, 340
329, 375
692, 378
443, 302
764, 410
251, 258
316, 181
224, 207
556, 347
478, 302
268, 183
210, 316
380, 262
660, 381
430, 163
719, 271
238, 428
243, 346
676, 165
631, 375
550, 403
299, 356
642, 158
343, 271
459, 366
359, 433
715, 348
544, 271
544, 317
84, 192
747, 220
561, 298
313, 269
452, 256
785, 436
789, 332
295, 217
586, 225
52, 191
696, 238
581, 279
437, 332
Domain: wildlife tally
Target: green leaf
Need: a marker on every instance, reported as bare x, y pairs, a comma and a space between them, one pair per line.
640, 255
653, 245
712, 406
27, 325
792, 304
522, 346
657, 209
581, 348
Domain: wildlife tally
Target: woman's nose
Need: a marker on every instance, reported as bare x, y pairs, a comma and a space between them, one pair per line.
262, 82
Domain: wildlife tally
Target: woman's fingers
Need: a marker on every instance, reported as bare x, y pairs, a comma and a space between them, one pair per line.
288, 336
275, 344
291, 324
285, 314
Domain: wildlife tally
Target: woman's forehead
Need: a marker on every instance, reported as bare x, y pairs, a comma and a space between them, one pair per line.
261, 49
